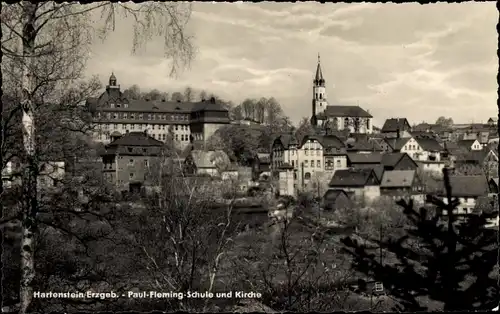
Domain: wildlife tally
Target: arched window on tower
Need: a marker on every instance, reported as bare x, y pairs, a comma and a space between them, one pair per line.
320, 95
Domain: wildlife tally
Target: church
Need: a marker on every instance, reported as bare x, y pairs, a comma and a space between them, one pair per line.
334, 117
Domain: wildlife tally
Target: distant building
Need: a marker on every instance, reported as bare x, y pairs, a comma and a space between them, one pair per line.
211, 163
467, 189
470, 144
402, 184
353, 118
394, 125
115, 115
493, 121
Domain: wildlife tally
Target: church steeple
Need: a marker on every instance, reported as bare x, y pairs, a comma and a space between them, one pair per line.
319, 80
319, 102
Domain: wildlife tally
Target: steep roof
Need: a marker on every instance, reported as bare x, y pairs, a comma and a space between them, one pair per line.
351, 177
465, 143
364, 145
397, 179
369, 158
468, 186
346, 111
392, 159
394, 124
327, 141
135, 139
475, 155
429, 144
397, 143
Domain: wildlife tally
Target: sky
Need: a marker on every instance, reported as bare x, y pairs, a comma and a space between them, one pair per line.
394, 60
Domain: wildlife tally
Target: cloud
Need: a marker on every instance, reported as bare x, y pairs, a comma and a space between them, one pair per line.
406, 60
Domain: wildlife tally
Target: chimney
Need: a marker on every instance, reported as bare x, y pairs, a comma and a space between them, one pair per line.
398, 134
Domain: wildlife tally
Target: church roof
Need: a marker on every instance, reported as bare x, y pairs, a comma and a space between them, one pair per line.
345, 111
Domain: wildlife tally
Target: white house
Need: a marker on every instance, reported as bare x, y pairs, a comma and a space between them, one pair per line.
470, 144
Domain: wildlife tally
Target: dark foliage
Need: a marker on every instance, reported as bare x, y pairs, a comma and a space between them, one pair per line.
440, 258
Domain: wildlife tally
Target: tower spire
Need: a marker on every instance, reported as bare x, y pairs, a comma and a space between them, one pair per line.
319, 80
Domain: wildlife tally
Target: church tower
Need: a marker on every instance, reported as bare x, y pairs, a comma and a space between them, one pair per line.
319, 91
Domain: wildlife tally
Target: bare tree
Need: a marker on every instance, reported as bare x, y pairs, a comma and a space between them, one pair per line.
188, 94
177, 96
203, 95
48, 42
132, 93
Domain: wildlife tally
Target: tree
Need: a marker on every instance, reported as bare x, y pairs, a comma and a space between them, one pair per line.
203, 95
443, 121
304, 128
177, 96
132, 93
439, 258
53, 37
153, 95
248, 108
188, 94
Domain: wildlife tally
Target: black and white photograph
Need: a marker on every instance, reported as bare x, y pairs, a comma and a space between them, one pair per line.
267, 157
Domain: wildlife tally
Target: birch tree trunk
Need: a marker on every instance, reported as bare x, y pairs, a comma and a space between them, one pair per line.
30, 168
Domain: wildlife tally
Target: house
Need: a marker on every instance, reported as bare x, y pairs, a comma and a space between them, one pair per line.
352, 118
211, 163
402, 184
470, 144
398, 161
431, 149
393, 126
477, 161
314, 154
364, 160
467, 189
363, 183
131, 160
336, 199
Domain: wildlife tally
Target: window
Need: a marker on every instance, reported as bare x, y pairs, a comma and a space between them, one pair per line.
146, 163
108, 115
306, 163
140, 126
130, 150
132, 126
306, 152
125, 115
307, 176
318, 152
125, 105
163, 136
130, 161
149, 116
312, 163
132, 116
99, 115
131, 175
115, 126
293, 163
176, 137
118, 106
318, 164
112, 105
346, 123
338, 163
140, 116
176, 127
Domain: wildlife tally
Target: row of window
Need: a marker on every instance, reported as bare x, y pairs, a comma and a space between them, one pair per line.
142, 126
141, 116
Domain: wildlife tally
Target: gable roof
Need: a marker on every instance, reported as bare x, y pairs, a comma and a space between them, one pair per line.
286, 139
364, 145
466, 143
398, 179
369, 158
395, 124
352, 177
327, 141
346, 111
135, 139
392, 159
397, 143
468, 186
429, 144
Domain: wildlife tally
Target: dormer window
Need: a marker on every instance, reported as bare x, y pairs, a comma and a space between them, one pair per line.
118, 105
125, 115
108, 115
149, 116
115, 116
125, 105
140, 116
132, 116
112, 105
